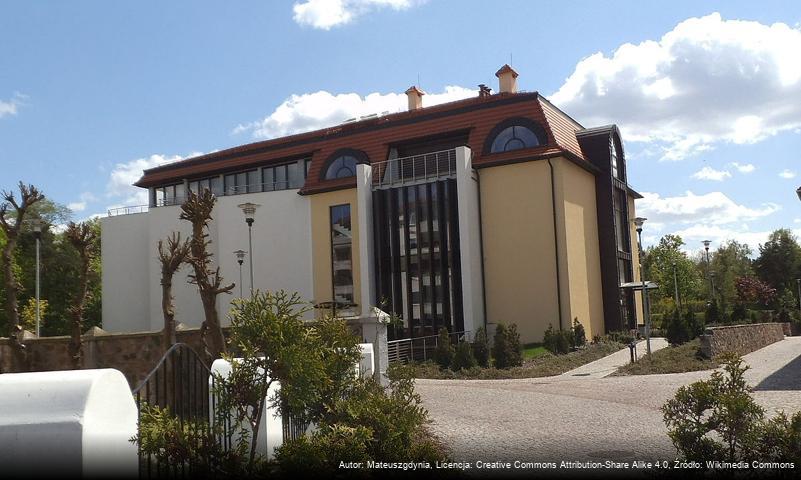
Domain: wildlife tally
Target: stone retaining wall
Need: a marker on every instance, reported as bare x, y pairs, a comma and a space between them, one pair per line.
134, 354
740, 339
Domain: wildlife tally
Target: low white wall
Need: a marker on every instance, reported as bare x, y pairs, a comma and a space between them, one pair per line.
67, 424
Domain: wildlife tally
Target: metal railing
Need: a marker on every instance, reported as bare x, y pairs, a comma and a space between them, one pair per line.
183, 384
414, 169
420, 349
114, 212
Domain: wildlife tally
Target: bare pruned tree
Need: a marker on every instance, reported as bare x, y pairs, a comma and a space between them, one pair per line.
12, 214
83, 237
197, 209
171, 259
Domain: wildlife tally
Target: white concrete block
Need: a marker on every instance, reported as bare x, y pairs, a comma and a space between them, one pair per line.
67, 424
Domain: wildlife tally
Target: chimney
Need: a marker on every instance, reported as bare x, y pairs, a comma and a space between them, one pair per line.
507, 79
415, 97
484, 91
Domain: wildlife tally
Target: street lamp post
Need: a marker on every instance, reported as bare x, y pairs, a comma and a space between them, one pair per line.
37, 232
638, 222
240, 258
676, 287
249, 209
706, 247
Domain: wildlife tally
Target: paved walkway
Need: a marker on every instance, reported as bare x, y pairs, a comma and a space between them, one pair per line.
610, 363
570, 417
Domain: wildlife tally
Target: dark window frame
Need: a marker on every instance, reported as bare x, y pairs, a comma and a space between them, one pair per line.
528, 123
360, 156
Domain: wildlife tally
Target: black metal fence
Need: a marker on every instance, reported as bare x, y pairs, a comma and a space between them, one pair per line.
420, 349
182, 383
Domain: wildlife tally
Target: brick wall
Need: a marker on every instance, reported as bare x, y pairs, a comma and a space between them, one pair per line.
134, 354
740, 339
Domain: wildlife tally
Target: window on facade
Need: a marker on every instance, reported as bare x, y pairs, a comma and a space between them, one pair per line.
621, 222
342, 167
514, 138
170, 194
615, 172
341, 251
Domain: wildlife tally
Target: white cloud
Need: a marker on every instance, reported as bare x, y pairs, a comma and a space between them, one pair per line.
694, 234
11, 107
708, 81
743, 168
324, 14
713, 208
79, 206
787, 174
120, 187
709, 173
311, 111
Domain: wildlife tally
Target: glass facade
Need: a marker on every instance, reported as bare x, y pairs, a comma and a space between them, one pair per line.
417, 257
341, 254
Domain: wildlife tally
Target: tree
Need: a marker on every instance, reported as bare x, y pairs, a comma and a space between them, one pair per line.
171, 259
83, 237
11, 224
658, 264
729, 262
779, 261
197, 210
751, 290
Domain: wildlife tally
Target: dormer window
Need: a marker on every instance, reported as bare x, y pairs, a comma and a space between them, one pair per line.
341, 167
615, 171
515, 134
342, 164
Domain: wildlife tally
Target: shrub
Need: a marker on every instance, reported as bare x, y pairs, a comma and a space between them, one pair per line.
579, 335
739, 314
717, 419
677, 331
618, 337
481, 349
695, 324
443, 354
712, 313
564, 339
549, 340
506, 347
463, 357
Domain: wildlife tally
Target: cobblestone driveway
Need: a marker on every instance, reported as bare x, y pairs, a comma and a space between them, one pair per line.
581, 418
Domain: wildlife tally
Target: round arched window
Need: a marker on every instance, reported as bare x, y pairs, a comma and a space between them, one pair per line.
513, 138
341, 167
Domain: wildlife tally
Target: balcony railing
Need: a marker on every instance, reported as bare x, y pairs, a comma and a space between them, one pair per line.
115, 212
415, 169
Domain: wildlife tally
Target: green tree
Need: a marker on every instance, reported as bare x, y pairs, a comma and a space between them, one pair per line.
658, 264
779, 261
730, 261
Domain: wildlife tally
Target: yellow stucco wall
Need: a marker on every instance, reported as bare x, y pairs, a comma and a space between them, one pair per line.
579, 248
321, 241
518, 243
635, 260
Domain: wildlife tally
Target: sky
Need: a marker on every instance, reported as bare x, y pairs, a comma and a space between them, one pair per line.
707, 94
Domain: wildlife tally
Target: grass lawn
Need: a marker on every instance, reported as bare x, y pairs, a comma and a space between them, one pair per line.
537, 362
533, 350
682, 358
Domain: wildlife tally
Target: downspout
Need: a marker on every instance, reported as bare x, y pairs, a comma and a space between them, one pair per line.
556, 245
481, 250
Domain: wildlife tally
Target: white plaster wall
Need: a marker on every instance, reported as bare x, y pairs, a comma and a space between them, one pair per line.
469, 241
126, 289
282, 247
132, 273
67, 424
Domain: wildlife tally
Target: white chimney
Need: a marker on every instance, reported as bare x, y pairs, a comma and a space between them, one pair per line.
415, 97
507, 79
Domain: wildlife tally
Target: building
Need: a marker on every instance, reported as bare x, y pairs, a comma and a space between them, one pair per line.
497, 208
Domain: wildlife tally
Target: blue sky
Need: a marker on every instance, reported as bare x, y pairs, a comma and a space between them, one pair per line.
91, 92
